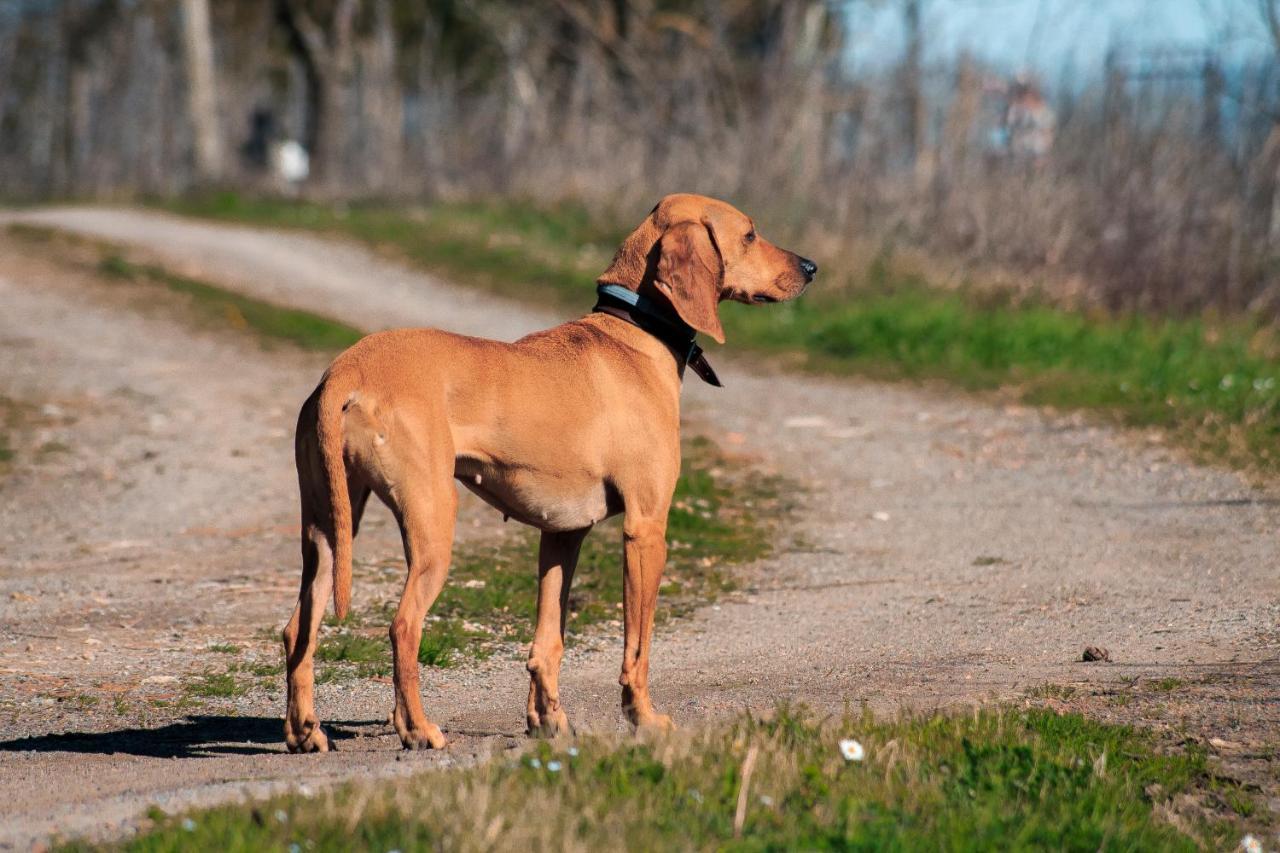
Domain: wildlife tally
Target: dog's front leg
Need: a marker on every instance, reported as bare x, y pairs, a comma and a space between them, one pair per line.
557, 559
645, 557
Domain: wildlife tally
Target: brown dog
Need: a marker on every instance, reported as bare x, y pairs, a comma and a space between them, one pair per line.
559, 430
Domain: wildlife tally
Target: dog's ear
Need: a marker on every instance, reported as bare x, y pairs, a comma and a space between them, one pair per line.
690, 274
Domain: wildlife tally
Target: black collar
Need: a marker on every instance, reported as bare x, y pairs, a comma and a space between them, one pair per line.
679, 336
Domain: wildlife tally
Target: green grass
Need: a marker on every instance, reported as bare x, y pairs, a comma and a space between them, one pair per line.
209, 303
1213, 383
723, 514
13, 416
995, 779
215, 685
274, 322
1165, 685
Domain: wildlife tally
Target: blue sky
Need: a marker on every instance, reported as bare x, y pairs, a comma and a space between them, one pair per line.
1049, 35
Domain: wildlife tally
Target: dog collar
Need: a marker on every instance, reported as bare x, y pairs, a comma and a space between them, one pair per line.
648, 315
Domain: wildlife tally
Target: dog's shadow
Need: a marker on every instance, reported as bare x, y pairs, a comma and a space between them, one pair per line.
196, 736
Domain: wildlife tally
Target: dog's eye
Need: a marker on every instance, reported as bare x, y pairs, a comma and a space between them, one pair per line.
751, 236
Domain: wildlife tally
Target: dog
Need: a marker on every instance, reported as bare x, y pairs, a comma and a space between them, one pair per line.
559, 430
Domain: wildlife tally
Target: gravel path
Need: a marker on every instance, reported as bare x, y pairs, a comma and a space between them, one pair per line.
950, 549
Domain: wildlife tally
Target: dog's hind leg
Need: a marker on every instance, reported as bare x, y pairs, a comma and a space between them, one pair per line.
557, 559
301, 728
426, 509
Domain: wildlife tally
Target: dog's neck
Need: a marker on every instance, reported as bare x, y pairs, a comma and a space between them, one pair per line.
665, 325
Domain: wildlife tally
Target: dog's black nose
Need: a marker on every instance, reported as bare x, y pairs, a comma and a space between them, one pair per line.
809, 268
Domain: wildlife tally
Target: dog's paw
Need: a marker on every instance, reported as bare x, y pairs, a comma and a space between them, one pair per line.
551, 724
312, 739
429, 737
655, 724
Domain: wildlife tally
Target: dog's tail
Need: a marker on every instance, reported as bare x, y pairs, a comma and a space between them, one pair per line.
329, 429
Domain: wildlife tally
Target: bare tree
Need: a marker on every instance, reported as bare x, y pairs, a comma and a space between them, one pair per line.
202, 100
326, 53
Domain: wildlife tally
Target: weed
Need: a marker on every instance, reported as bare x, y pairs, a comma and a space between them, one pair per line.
352, 648
215, 685
225, 648
50, 448
1052, 691
1165, 685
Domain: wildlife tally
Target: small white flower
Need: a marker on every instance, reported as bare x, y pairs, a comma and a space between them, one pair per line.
695, 795
766, 800
553, 766
1249, 844
282, 816
852, 750
573, 750
188, 824
295, 847
535, 763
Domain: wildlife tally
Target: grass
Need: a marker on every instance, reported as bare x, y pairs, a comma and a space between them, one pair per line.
13, 417
301, 328
1213, 383
215, 685
1166, 685
723, 514
1000, 778
18, 420
211, 304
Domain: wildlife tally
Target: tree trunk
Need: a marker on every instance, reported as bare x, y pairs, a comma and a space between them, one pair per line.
202, 97
384, 104
327, 58
914, 83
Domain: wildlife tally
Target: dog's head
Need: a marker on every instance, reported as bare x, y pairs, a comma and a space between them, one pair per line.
692, 252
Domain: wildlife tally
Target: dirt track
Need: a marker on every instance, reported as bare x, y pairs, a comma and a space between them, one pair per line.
950, 550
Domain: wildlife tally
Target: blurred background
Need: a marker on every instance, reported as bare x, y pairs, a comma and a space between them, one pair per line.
1123, 153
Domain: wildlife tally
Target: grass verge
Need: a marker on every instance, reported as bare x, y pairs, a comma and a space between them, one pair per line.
723, 514
999, 778
210, 304
1213, 383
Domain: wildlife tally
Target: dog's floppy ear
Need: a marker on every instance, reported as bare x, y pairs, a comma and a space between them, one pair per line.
690, 274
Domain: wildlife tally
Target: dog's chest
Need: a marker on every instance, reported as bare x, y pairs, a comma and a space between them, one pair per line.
547, 501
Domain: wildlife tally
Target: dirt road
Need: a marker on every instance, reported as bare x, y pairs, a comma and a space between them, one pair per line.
950, 549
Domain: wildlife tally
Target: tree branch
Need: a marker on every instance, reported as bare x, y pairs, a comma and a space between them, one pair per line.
309, 33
